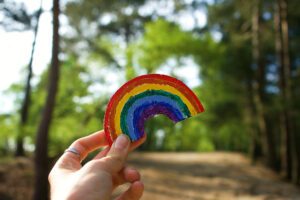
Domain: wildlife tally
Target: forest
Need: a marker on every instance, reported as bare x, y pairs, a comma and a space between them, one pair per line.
241, 58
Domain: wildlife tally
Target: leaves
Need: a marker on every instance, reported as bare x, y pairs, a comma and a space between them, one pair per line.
114, 41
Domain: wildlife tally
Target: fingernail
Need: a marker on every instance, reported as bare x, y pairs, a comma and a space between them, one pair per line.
122, 142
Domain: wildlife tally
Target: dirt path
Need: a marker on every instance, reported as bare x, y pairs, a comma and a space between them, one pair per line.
176, 176
208, 176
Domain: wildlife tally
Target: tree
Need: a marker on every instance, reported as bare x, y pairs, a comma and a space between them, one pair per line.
17, 18
41, 151
289, 157
27, 91
123, 18
259, 86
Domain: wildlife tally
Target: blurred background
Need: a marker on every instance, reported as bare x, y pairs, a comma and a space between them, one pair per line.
61, 61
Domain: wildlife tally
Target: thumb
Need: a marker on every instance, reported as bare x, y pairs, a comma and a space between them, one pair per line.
116, 157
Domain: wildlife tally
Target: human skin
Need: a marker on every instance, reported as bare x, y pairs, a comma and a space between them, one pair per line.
97, 179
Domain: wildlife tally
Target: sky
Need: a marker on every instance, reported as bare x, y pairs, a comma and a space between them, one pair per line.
15, 48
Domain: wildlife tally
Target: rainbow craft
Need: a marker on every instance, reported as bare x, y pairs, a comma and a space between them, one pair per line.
142, 98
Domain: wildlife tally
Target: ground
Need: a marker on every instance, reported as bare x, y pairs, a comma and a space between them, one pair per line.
208, 176
177, 176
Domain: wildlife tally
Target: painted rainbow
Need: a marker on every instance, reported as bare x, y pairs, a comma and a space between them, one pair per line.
146, 96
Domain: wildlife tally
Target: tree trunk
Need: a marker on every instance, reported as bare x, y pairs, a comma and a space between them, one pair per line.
285, 137
259, 87
26, 101
41, 151
255, 146
288, 147
288, 91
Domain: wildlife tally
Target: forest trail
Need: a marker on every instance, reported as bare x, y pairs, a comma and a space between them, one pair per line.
176, 176
208, 176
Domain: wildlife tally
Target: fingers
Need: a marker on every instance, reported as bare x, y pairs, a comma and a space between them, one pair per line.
133, 146
89, 143
102, 153
131, 175
126, 175
117, 154
115, 159
134, 192
83, 146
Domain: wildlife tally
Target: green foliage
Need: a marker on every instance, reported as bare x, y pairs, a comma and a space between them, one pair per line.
163, 40
8, 127
117, 37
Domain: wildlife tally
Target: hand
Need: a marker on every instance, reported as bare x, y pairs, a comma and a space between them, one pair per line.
97, 179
